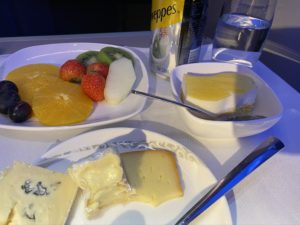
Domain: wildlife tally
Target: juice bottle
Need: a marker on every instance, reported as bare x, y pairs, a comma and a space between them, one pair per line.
177, 27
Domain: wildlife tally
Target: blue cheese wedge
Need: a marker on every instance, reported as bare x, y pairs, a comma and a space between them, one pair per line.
221, 93
33, 196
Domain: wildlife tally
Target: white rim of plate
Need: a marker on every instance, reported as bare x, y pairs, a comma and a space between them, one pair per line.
169, 144
79, 125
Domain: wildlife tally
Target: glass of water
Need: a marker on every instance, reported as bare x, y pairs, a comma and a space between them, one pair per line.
242, 30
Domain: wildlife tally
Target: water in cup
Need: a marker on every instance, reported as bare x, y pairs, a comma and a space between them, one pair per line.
239, 38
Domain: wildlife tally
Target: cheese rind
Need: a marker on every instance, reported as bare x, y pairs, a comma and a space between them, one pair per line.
153, 174
149, 176
221, 93
102, 182
35, 195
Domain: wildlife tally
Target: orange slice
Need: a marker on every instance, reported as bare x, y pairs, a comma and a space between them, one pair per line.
29, 72
61, 103
29, 88
54, 102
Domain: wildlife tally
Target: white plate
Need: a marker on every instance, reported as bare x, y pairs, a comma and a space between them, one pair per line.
196, 179
267, 104
57, 54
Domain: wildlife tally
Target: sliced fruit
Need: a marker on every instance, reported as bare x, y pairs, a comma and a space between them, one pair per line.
28, 72
109, 54
61, 103
104, 58
120, 80
100, 68
87, 58
93, 86
30, 87
72, 70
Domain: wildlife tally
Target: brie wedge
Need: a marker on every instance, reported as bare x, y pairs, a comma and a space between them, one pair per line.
102, 181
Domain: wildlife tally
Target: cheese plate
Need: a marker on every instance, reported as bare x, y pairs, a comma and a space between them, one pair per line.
57, 54
196, 179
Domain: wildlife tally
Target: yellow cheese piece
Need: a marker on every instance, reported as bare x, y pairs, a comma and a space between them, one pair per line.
226, 92
102, 181
153, 174
152, 177
33, 196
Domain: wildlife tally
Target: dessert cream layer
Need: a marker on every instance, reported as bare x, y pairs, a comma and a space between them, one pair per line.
220, 93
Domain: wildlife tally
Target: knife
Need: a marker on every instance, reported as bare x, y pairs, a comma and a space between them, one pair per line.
262, 153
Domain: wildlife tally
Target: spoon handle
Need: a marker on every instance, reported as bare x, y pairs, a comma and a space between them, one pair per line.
204, 113
262, 153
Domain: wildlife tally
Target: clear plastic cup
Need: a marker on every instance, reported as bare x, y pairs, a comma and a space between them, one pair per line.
242, 30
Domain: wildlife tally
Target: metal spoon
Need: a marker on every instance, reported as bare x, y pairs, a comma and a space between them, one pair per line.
201, 112
262, 153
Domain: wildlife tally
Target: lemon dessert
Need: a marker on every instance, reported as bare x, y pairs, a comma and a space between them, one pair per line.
220, 93
33, 195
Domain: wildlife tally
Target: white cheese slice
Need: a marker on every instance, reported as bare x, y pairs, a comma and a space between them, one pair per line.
102, 181
35, 196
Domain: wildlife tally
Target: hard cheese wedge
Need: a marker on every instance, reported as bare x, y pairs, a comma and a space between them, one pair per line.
33, 195
153, 174
221, 93
102, 181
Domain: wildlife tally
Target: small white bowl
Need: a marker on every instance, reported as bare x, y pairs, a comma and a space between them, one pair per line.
267, 104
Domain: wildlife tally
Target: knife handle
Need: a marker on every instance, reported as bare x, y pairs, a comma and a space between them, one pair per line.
262, 153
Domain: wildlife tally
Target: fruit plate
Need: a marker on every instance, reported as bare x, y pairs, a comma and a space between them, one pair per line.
267, 104
196, 179
57, 54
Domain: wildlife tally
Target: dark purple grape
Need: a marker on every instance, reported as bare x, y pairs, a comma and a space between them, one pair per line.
21, 112
8, 99
6, 85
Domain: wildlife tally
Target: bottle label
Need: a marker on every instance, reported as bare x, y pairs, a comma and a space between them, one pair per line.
166, 12
194, 55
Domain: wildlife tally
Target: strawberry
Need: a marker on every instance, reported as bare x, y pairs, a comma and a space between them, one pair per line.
72, 70
93, 85
100, 68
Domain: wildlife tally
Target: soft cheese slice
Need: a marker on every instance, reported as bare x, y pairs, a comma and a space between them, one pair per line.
102, 181
32, 196
153, 174
221, 93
